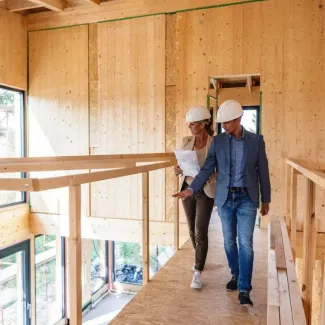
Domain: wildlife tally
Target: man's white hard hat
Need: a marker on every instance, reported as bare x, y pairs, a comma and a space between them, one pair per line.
197, 113
229, 110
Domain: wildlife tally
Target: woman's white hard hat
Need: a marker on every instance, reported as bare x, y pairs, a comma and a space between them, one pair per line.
197, 113
229, 110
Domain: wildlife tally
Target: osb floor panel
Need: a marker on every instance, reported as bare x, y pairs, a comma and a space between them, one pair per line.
168, 299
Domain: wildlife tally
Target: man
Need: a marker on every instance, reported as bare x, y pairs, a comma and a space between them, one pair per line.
240, 159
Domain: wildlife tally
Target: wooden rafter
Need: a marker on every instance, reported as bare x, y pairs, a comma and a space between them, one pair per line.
18, 5
54, 5
93, 2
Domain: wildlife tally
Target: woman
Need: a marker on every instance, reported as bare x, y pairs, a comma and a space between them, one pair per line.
198, 207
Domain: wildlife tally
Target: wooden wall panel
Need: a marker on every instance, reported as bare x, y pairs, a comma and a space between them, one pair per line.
58, 105
161, 232
209, 47
132, 111
13, 57
171, 50
277, 39
14, 225
241, 94
170, 147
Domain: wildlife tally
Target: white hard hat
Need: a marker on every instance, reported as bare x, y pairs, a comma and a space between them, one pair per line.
197, 113
229, 110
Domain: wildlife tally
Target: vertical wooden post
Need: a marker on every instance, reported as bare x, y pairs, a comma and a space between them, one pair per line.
176, 219
288, 193
293, 210
145, 226
74, 243
309, 248
110, 265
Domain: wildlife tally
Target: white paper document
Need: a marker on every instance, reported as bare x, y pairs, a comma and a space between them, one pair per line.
188, 163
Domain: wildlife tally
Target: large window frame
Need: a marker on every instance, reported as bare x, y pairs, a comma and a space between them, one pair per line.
63, 279
24, 248
22, 95
105, 264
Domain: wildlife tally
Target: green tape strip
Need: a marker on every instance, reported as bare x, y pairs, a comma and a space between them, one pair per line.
156, 14
208, 102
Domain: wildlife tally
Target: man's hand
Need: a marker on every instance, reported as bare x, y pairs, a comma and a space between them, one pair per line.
184, 194
265, 209
177, 171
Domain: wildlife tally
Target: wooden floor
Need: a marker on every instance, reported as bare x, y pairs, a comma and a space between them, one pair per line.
168, 299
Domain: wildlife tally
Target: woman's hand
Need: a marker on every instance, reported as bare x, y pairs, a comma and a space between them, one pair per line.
178, 171
184, 194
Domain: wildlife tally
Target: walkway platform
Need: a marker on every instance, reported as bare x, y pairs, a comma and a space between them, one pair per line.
168, 299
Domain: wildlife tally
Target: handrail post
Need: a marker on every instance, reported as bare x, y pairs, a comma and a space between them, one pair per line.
293, 210
145, 226
309, 248
176, 219
288, 193
74, 242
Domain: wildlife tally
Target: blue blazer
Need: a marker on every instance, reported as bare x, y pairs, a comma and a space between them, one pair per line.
256, 168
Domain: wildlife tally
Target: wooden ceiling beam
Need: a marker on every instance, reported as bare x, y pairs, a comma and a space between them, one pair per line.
54, 5
117, 9
93, 2
18, 5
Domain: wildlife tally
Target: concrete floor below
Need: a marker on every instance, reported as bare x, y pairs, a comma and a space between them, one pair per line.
107, 309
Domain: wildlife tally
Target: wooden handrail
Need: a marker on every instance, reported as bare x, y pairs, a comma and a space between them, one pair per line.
311, 176
32, 164
43, 184
316, 176
128, 162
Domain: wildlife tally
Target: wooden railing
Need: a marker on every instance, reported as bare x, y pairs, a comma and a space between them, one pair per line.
284, 305
124, 165
283, 252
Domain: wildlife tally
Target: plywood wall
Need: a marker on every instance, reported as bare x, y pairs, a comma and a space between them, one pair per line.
282, 40
13, 50
124, 98
58, 105
14, 225
151, 70
131, 110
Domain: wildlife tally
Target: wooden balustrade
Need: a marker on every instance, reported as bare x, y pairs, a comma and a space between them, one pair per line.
284, 299
278, 295
124, 165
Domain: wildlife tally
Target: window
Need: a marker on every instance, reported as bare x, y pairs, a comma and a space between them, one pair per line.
128, 261
98, 264
49, 271
250, 119
15, 285
11, 137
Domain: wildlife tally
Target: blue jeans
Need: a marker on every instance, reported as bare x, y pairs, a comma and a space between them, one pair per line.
238, 214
